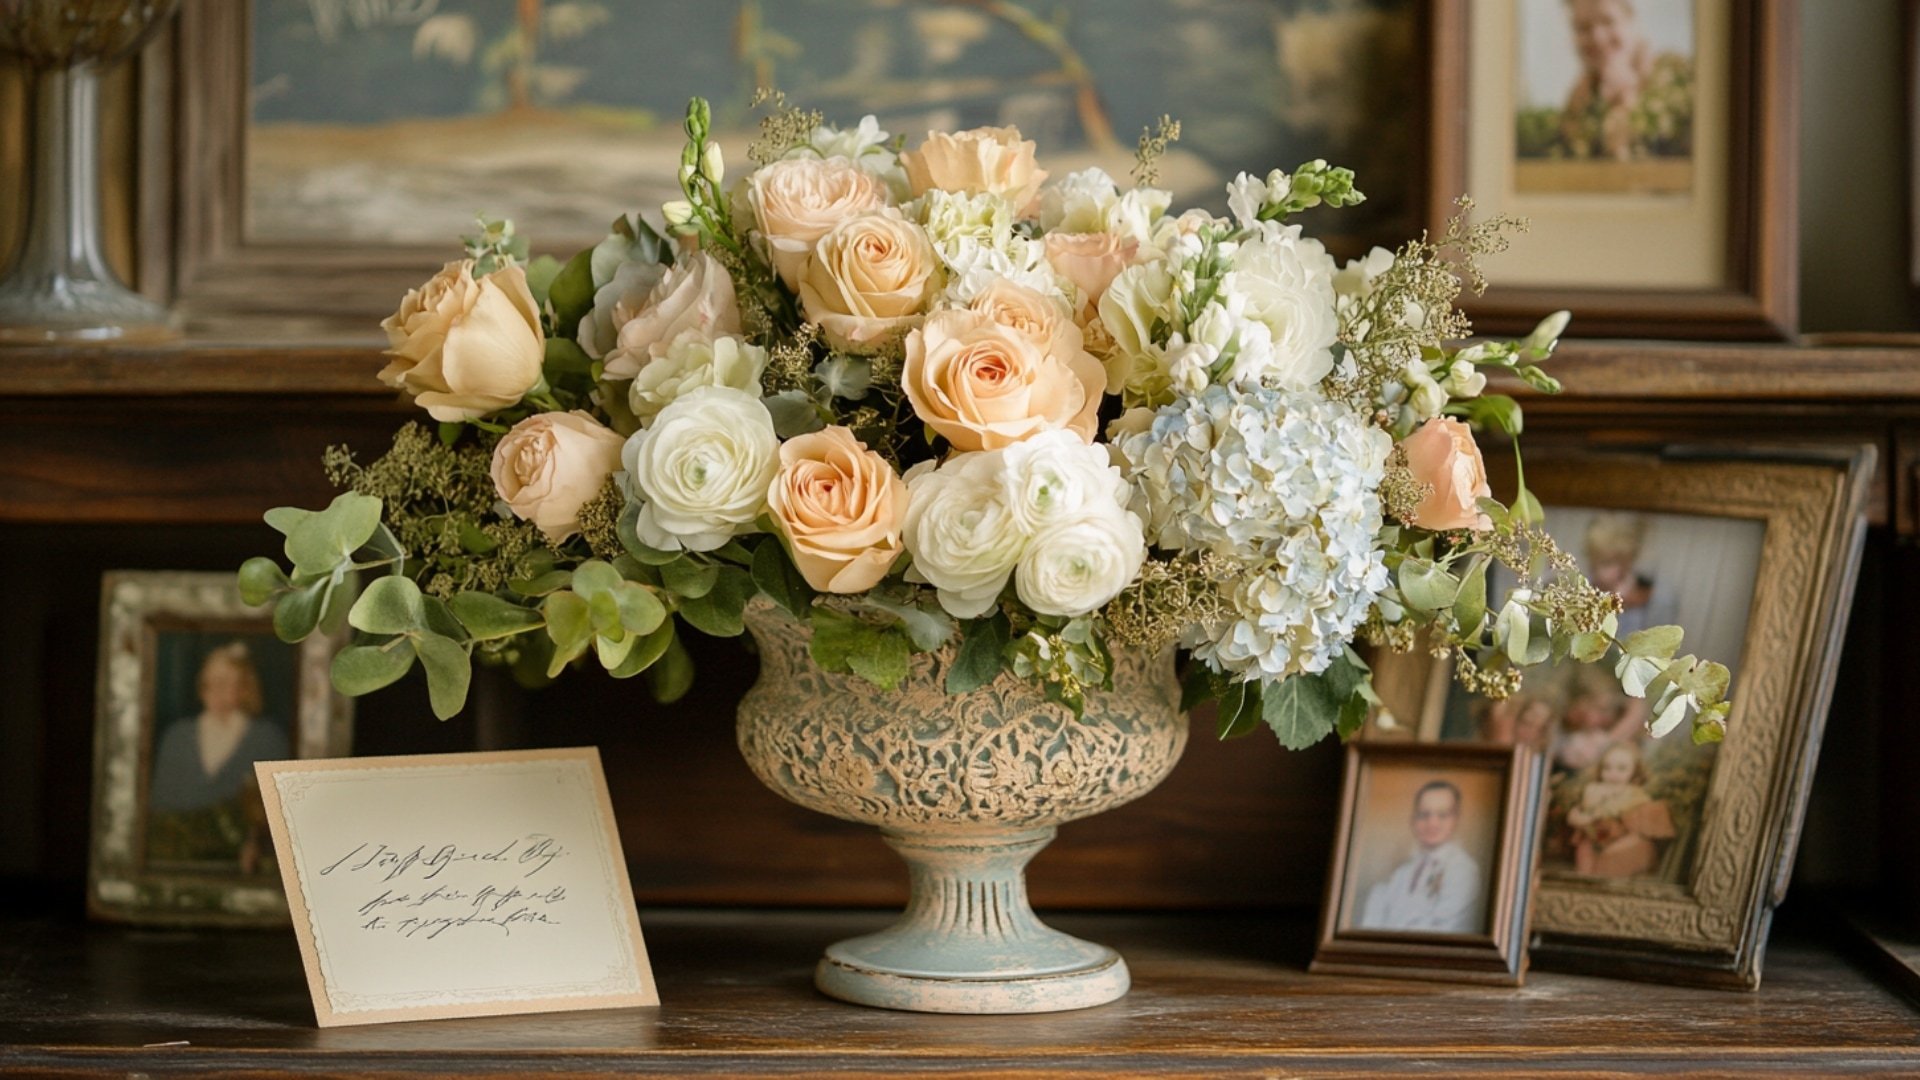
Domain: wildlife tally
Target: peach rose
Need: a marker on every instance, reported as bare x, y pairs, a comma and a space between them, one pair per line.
465, 346
1442, 453
869, 280
1045, 319
994, 161
840, 507
550, 465
696, 294
1091, 261
797, 201
984, 385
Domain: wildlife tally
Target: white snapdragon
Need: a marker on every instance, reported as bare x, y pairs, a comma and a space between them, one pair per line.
1285, 485
694, 360
701, 471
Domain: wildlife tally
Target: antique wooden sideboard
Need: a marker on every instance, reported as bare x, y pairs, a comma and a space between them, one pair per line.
165, 458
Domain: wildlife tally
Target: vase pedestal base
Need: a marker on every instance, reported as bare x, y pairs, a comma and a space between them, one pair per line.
969, 942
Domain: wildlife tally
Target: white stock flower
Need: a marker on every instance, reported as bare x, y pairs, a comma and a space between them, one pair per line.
1140, 299
1089, 201
1284, 283
962, 535
1285, 485
1246, 194
702, 470
691, 361
1076, 565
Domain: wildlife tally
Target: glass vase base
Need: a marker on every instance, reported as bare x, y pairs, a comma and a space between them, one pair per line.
51, 313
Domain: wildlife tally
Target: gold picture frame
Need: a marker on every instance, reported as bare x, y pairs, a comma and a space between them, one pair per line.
156, 626
1711, 928
1510, 841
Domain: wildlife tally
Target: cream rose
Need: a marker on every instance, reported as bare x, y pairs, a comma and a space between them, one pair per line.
1442, 453
1091, 261
695, 294
693, 361
984, 385
963, 537
869, 280
1076, 565
840, 508
986, 159
797, 201
550, 465
465, 346
701, 471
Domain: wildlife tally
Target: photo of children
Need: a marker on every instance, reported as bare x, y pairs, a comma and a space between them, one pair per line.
1624, 805
1605, 96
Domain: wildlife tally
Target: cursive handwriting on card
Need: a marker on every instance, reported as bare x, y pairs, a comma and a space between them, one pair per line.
407, 896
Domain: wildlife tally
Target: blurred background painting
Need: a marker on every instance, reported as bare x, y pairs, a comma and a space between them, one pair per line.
393, 121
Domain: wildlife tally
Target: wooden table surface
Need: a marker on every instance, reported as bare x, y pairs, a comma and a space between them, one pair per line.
1214, 996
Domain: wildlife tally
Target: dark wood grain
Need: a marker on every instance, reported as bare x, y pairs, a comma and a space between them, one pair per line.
1212, 997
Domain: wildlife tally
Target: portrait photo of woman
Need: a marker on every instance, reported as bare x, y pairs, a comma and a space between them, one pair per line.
214, 718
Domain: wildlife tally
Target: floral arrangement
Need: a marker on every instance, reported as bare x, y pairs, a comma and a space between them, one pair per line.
933, 397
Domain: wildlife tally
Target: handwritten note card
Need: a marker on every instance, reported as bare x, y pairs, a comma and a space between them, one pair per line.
456, 885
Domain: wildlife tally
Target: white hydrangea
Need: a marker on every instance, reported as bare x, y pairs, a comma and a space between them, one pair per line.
973, 267
1285, 484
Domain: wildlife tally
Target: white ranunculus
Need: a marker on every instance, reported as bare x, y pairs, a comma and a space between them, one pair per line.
1074, 566
693, 360
964, 538
1055, 475
1285, 283
702, 469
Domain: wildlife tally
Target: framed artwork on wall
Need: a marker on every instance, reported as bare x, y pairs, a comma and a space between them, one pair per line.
318, 157
1655, 137
1663, 859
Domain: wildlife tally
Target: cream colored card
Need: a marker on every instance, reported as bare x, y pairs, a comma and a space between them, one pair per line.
444, 885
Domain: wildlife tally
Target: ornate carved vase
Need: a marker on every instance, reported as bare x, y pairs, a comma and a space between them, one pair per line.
967, 788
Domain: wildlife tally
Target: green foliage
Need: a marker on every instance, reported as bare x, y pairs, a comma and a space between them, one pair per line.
982, 655
1308, 186
488, 617
260, 580
670, 678
362, 669
571, 294
775, 574
719, 612
848, 644
1301, 710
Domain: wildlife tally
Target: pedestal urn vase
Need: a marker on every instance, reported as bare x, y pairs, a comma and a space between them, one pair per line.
966, 788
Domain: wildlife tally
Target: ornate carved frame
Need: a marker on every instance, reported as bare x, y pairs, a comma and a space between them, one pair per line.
1713, 928
1498, 957
133, 605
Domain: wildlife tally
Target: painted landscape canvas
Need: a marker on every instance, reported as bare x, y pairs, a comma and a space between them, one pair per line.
394, 121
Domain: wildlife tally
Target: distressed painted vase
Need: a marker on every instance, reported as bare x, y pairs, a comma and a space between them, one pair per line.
967, 788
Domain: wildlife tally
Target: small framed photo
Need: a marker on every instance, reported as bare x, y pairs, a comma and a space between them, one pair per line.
194, 688
1663, 859
1655, 137
1433, 868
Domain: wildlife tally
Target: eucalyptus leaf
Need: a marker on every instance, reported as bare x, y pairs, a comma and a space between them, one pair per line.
449, 672
594, 577
1470, 602
1426, 586
569, 622
613, 653
487, 616
390, 605
928, 630
1659, 642
284, 519
670, 678
362, 669
684, 577
298, 611
645, 652
324, 540
640, 611
260, 578
885, 658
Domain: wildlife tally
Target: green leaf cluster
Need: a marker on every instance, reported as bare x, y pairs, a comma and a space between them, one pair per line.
1300, 710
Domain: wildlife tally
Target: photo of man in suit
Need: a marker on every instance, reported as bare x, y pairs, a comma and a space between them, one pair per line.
1438, 888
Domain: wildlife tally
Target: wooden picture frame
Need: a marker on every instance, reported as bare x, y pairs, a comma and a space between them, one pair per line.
139, 667
1496, 956
1760, 296
1711, 927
